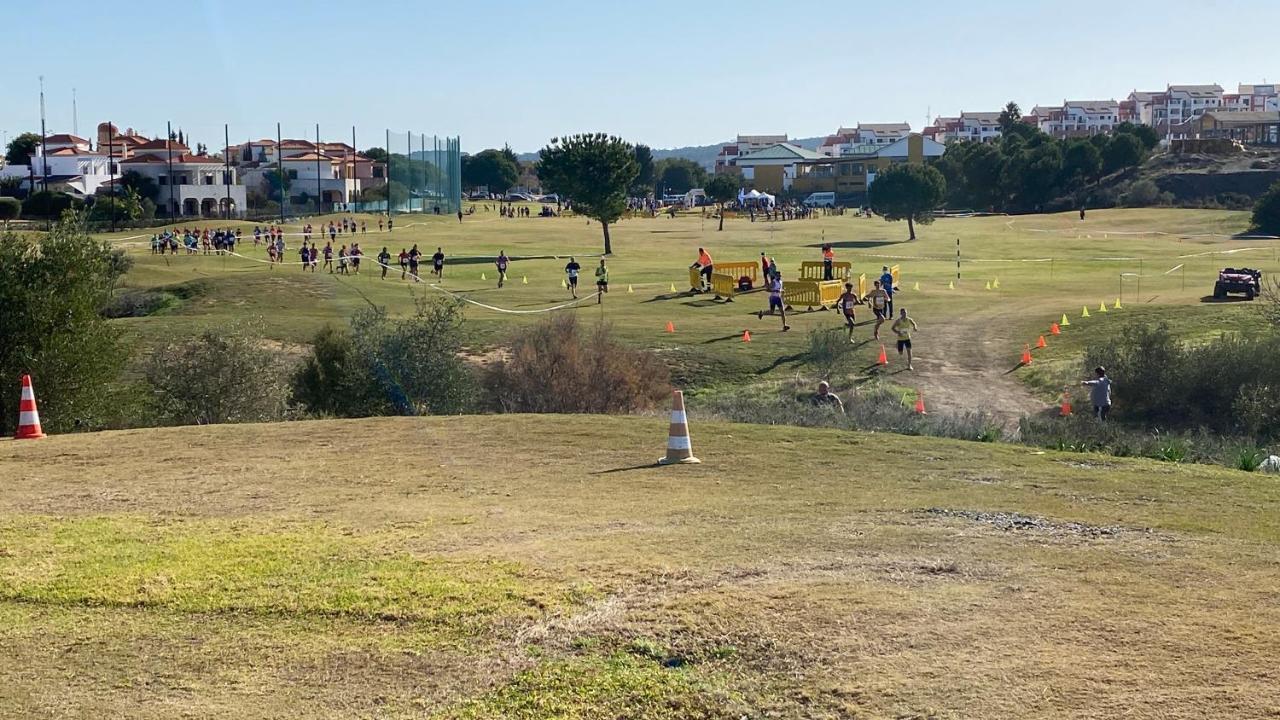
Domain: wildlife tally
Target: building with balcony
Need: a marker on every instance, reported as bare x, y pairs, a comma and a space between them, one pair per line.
744, 145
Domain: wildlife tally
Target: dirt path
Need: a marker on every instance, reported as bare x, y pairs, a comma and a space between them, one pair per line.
961, 368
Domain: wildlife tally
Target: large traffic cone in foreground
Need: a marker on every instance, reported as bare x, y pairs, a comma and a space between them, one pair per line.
28, 417
746, 336
1041, 344
884, 357
1054, 329
1066, 322
1084, 313
1026, 355
920, 404
679, 446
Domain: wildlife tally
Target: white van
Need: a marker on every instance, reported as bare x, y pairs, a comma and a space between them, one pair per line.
821, 200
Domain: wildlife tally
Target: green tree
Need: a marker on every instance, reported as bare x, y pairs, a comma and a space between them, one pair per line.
10, 209
1145, 133
645, 176
52, 288
721, 189
679, 175
1031, 176
908, 192
1081, 161
489, 168
376, 154
594, 171
1123, 151
1010, 116
124, 206
21, 148
1266, 212
277, 184
145, 186
334, 379
983, 167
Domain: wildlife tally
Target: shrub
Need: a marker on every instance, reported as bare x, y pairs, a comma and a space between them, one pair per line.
10, 209
138, 303
1247, 458
556, 367
1259, 165
383, 366
1266, 213
219, 376
829, 350
49, 204
1145, 193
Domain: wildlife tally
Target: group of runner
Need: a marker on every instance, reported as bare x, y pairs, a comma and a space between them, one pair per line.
573, 269
193, 240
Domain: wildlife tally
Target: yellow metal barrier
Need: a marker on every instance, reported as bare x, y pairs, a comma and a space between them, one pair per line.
862, 285
812, 293
810, 270
734, 270
724, 285
893, 270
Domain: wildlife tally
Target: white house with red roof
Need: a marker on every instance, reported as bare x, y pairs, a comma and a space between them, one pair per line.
334, 172
190, 185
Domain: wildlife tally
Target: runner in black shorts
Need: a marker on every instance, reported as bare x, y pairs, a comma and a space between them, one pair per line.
847, 301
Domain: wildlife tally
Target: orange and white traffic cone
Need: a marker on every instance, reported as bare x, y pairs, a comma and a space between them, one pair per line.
1026, 355
28, 416
884, 357
746, 336
920, 404
679, 445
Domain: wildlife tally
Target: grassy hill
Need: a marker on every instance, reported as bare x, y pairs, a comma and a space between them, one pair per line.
1160, 261
539, 566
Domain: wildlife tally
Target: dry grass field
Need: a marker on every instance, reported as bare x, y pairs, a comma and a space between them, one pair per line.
540, 567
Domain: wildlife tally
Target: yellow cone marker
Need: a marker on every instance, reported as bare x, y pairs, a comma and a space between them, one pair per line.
996, 283
917, 287
988, 284
482, 277
524, 280
1065, 322
1102, 307
564, 285
673, 287
629, 290
951, 285
1085, 313
1118, 305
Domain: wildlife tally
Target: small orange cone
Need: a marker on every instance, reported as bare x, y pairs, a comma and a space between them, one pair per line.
1065, 410
1041, 344
679, 445
1054, 329
920, 404
671, 327
884, 357
746, 336
1026, 355
28, 416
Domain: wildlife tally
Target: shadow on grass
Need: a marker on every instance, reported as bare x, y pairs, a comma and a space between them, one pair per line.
1227, 299
626, 469
795, 359
858, 244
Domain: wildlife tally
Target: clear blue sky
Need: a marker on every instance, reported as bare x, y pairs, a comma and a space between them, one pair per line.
658, 72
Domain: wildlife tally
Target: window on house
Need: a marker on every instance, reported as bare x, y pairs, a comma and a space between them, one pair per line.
293, 174
164, 180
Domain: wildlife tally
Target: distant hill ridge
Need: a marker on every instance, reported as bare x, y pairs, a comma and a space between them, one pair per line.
704, 155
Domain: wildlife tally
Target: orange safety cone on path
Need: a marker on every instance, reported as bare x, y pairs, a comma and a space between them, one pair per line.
1026, 355
884, 357
679, 445
671, 327
1041, 344
920, 404
746, 336
1054, 329
28, 416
